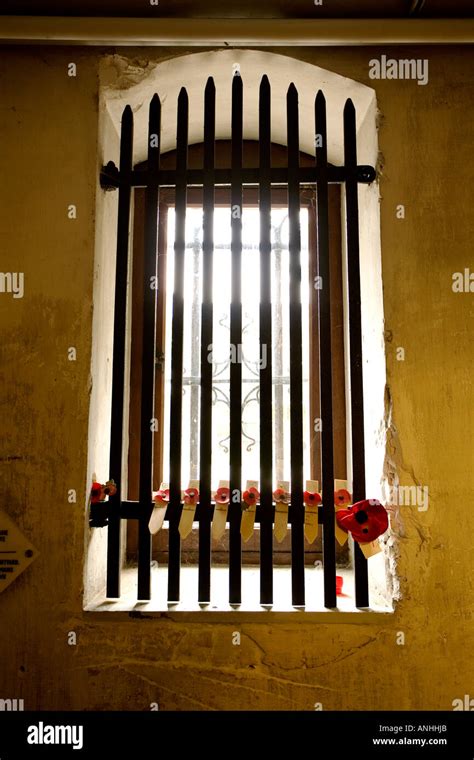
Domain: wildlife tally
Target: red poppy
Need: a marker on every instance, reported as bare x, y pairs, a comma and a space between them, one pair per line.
342, 498
281, 496
162, 497
250, 497
222, 495
191, 496
311, 498
365, 521
96, 493
99, 491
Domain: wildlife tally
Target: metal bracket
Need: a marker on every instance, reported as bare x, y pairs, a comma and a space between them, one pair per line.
366, 174
109, 177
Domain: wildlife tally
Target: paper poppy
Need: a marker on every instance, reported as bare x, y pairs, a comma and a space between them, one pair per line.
96, 492
191, 496
342, 498
311, 498
250, 497
222, 495
365, 521
99, 508
99, 491
162, 497
281, 497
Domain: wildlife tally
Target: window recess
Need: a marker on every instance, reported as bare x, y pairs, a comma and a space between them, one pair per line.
239, 350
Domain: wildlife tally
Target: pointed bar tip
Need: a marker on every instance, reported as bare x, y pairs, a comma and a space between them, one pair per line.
349, 106
183, 94
292, 91
320, 98
237, 79
264, 95
155, 106
210, 84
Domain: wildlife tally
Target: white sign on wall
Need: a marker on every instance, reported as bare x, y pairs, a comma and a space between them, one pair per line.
16, 552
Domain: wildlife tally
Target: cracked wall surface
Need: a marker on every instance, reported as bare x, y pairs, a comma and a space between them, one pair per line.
49, 123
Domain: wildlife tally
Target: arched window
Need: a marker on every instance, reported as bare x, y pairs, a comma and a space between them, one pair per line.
307, 324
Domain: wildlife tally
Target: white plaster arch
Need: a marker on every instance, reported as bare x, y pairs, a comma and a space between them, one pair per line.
128, 84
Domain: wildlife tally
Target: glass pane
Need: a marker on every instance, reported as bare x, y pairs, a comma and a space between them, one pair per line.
249, 353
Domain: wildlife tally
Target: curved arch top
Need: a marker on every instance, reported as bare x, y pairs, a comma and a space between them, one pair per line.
136, 86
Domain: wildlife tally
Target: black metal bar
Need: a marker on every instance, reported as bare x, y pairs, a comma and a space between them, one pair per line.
147, 400
325, 356
205, 456
177, 348
235, 445
266, 389
296, 362
307, 175
118, 372
129, 511
355, 336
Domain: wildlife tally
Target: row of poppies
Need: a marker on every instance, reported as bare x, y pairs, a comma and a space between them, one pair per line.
251, 497
365, 520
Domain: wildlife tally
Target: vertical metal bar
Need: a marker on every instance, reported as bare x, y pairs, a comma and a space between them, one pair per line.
118, 372
296, 362
315, 395
235, 446
148, 343
355, 337
266, 431
205, 457
158, 441
194, 299
277, 364
325, 357
175, 506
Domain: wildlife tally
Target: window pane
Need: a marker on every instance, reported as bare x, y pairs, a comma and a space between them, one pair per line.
249, 353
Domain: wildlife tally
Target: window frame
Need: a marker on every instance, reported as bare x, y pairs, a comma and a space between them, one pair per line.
250, 550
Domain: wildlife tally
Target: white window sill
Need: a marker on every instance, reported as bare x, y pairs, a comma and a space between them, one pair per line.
219, 607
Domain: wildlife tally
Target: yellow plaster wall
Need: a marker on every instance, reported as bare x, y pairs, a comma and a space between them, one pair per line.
48, 130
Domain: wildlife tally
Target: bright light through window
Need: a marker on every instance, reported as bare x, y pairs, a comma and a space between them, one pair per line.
251, 354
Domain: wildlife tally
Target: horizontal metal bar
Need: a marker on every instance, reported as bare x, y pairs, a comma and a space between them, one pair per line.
130, 510
60, 30
110, 177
